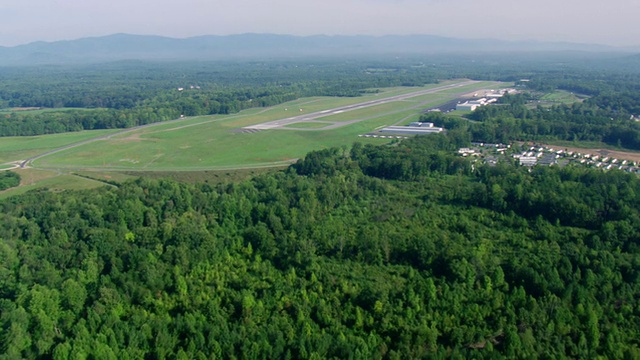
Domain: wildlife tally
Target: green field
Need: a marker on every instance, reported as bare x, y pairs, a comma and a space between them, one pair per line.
562, 97
55, 181
206, 143
22, 147
214, 142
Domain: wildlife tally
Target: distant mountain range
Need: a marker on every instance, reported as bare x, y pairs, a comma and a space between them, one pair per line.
263, 46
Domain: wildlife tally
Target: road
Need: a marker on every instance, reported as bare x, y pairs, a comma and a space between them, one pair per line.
339, 110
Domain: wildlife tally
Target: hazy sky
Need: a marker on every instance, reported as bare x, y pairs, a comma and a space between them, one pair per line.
614, 22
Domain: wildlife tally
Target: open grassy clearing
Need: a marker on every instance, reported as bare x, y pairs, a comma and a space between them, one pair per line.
201, 144
562, 97
206, 148
212, 146
22, 147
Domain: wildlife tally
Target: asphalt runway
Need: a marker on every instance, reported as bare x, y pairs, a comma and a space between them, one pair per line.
315, 116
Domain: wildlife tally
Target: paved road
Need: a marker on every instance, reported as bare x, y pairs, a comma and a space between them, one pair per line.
339, 110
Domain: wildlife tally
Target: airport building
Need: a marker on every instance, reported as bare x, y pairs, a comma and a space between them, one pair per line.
474, 104
467, 107
411, 130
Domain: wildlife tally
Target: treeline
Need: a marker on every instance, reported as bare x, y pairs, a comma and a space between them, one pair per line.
9, 179
168, 107
372, 252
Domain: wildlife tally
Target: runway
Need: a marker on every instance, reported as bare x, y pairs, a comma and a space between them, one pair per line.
315, 116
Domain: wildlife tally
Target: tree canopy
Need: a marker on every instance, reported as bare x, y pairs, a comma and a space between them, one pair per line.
397, 251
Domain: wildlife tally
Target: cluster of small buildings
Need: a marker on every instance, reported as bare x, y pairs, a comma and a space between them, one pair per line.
489, 97
531, 159
548, 156
382, 136
192, 87
474, 104
479, 148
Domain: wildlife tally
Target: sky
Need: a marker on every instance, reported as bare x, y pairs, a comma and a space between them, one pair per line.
611, 22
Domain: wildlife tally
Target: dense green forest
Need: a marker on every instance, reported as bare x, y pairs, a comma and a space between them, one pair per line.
395, 251
9, 179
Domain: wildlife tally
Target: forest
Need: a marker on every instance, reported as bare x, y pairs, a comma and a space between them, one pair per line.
395, 251
9, 179
132, 93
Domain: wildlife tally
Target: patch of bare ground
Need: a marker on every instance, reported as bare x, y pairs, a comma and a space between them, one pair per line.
132, 138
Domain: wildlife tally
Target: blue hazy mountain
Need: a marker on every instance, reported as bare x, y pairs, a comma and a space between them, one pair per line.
264, 46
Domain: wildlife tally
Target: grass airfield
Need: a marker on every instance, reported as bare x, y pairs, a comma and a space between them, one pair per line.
217, 143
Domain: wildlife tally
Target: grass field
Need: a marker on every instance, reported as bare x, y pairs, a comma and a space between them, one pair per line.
22, 147
562, 97
207, 143
37, 179
210, 148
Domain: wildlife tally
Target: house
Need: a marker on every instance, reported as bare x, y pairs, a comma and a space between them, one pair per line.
528, 160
